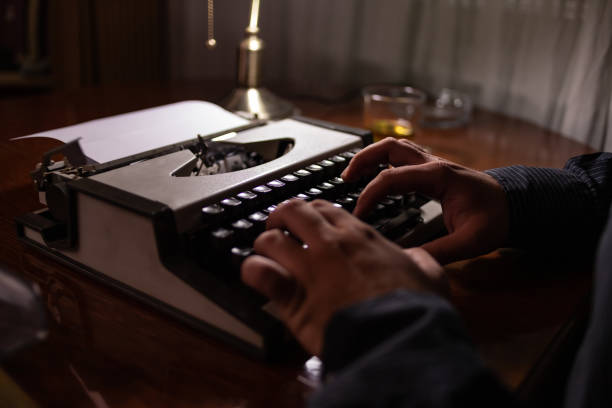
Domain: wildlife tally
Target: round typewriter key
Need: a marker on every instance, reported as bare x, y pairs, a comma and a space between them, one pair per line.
232, 205
341, 162
339, 184
213, 213
302, 173
241, 224
292, 183
325, 186
270, 209
221, 239
328, 190
248, 198
347, 203
276, 184
348, 155
265, 195
354, 194
302, 196
397, 198
259, 220
378, 212
258, 217
289, 178
326, 163
246, 195
230, 202
245, 231
239, 254
262, 189
392, 206
304, 177
278, 189
242, 251
314, 193
317, 172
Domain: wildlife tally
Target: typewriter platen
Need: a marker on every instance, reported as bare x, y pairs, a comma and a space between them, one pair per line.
172, 226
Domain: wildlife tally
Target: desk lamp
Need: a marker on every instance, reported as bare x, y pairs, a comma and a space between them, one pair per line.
249, 98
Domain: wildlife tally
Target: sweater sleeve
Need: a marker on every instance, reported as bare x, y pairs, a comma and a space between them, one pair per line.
558, 208
404, 349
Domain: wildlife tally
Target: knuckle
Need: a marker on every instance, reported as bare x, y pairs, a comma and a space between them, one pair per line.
389, 140
266, 239
386, 176
360, 232
355, 234
291, 205
327, 239
442, 168
318, 203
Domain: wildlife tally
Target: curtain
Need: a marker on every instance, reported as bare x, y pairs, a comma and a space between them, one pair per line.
546, 61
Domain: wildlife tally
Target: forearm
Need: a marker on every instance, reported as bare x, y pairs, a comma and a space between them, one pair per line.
558, 208
404, 349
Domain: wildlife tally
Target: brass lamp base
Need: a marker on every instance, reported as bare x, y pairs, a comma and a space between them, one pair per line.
258, 103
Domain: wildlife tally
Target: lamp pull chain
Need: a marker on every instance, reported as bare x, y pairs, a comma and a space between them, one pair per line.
211, 42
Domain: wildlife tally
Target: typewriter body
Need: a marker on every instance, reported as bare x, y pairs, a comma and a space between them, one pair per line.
171, 226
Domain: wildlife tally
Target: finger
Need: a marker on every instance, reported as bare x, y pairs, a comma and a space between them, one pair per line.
333, 214
269, 278
349, 227
393, 151
430, 179
424, 261
302, 220
430, 267
283, 249
463, 243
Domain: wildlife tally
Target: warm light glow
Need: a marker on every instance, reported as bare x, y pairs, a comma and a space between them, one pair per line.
254, 44
254, 15
253, 100
226, 136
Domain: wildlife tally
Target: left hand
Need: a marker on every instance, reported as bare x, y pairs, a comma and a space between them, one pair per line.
474, 204
338, 262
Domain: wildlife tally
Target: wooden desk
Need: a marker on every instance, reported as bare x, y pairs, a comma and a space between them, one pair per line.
105, 345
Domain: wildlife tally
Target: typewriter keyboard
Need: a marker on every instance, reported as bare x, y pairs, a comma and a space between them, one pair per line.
232, 224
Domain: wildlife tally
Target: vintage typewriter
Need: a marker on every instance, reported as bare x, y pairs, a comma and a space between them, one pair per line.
171, 226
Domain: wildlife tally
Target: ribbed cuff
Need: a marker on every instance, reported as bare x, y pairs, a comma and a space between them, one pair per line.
548, 207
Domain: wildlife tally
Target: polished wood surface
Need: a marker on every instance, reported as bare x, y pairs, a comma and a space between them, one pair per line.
105, 349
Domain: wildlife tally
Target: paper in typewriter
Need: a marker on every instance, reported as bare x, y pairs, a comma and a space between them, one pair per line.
111, 138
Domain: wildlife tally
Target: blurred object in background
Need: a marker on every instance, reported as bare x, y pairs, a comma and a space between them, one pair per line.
11, 395
22, 315
546, 61
250, 99
391, 110
74, 43
108, 41
23, 44
12, 33
449, 109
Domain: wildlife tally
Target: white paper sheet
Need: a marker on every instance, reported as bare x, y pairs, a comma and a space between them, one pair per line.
123, 135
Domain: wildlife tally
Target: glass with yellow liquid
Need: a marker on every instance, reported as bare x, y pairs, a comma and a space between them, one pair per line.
391, 110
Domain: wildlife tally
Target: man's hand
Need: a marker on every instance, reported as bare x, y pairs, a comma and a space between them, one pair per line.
474, 205
315, 259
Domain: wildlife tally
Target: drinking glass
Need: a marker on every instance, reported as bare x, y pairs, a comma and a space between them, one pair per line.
392, 110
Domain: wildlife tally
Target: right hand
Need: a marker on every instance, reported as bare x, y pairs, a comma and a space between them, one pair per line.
474, 205
329, 261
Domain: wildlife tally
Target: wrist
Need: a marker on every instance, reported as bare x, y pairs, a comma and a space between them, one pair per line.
357, 330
